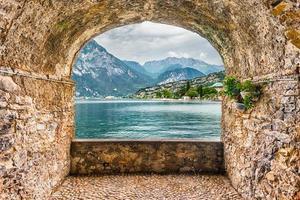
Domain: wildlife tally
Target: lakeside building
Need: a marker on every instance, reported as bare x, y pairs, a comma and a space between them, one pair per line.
218, 86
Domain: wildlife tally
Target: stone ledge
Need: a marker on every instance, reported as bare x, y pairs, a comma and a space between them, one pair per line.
144, 140
146, 156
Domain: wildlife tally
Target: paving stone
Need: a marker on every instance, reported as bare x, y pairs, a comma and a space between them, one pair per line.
146, 187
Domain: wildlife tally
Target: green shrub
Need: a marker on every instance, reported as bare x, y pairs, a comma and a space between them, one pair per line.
247, 86
248, 102
232, 87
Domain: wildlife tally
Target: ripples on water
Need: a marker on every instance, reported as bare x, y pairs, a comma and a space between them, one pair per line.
148, 120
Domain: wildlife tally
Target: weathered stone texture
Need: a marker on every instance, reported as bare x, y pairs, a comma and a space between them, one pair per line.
111, 157
36, 128
44, 36
263, 143
257, 39
146, 187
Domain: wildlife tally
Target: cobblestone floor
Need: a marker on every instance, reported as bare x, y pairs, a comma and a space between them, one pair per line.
147, 187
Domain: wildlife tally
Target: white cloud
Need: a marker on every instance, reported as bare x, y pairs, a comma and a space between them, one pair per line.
178, 54
152, 41
203, 55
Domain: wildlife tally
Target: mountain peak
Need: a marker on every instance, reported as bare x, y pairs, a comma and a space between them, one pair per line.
178, 74
93, 44
99, 73
159, 66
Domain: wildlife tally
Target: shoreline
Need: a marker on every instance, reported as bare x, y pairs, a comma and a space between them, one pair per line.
129, 100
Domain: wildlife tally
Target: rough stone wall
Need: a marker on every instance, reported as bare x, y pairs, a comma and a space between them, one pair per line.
257, 39
262, 146
44, 36
113, 157
36, 128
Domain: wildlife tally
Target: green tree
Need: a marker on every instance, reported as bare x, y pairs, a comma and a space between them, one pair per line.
188, 86
166, 93
158, 94
181, 92
176, 94
192, 92
209, 91
200, 90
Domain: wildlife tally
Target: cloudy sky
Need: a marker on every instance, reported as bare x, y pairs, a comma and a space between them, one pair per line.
151, 41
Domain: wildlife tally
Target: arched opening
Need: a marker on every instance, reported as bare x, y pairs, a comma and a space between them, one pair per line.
148, 81
39, 40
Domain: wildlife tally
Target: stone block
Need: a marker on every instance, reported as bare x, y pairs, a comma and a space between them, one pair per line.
23, 100
3, 105
289, 107
6, 128
6, 142
280, 8
40, 127
7, 84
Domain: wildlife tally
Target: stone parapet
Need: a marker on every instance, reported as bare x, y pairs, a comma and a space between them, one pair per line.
111, 157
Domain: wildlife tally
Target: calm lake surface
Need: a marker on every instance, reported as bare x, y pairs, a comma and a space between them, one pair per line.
123, 119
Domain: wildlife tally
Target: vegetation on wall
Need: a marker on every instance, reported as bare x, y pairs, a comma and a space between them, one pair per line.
231, 87
245, 93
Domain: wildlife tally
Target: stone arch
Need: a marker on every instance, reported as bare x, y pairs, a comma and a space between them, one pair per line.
257, 40
90, 34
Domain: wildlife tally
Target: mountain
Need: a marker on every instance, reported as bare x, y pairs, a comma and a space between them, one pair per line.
136, 66
178, 74
172, 67
99, 73
160, 66
150, 92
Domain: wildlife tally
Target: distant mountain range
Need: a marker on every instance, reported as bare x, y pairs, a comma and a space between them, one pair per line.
172, 75
98, 73
159, 66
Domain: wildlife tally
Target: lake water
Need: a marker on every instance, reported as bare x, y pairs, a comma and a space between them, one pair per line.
147, 120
